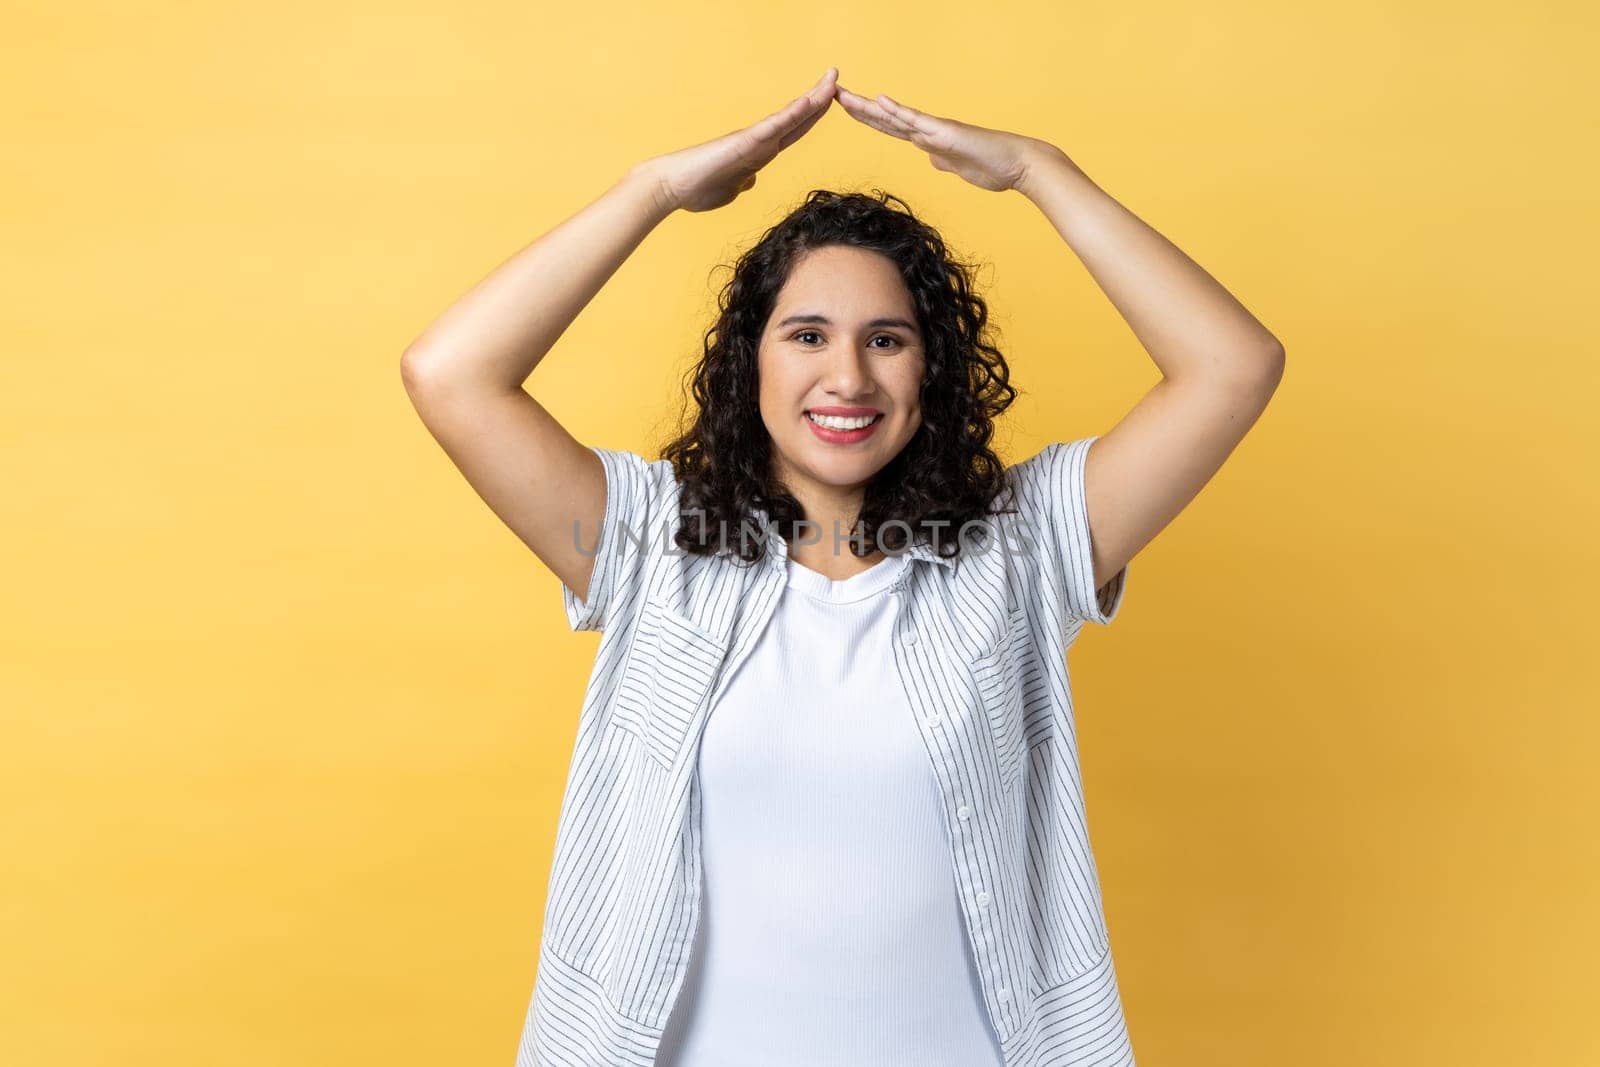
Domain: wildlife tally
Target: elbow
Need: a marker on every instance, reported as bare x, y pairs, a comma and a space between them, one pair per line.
1273, 364
1244, 374
1264, 371
438, 374
419, 373
410, 370
1249, 383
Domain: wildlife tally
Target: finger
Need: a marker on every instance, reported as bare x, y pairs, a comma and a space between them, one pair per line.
805, 127
863, 110
876, 114
909, 119
780, 123
784, 119
872, 114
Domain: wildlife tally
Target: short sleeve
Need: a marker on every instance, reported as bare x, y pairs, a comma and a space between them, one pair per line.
636, 492
1053, 506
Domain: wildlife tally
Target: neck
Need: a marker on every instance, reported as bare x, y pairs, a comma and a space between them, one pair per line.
824, 541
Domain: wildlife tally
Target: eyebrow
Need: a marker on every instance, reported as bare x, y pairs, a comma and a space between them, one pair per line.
823, 320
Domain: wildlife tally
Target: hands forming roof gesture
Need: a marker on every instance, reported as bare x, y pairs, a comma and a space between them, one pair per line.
711, 174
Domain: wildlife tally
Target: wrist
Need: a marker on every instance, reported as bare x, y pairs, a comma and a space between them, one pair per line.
1042, 162
648, 183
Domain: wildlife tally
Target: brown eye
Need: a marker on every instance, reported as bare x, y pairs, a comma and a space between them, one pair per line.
895, 341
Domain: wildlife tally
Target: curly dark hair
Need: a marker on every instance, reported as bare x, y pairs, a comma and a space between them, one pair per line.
946, 474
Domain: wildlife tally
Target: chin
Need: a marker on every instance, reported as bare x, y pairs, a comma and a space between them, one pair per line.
849, 470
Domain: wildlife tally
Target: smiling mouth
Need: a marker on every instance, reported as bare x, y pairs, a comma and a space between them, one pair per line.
854, 421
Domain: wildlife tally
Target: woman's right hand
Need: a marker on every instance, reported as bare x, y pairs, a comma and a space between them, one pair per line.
709, 175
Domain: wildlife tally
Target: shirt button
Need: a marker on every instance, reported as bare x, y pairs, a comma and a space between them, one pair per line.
963, 812
1003, 993
935, 719
909, 637
983, 899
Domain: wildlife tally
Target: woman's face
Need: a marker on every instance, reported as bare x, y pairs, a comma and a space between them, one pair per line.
842, 339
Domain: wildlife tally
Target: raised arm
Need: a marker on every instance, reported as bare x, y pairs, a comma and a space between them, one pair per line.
465, 373
1219, 365
465, 376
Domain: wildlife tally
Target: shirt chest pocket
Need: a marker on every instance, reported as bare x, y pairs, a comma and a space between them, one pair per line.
668, 675
999, 676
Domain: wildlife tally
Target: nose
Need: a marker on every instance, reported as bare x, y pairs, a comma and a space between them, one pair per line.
847, 376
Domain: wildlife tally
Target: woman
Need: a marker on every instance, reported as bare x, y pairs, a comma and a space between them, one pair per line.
824, 805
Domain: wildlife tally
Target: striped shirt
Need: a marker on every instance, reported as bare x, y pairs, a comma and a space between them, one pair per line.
831, 930
981, 654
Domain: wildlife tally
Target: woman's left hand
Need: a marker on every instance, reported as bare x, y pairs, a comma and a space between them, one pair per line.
990, 159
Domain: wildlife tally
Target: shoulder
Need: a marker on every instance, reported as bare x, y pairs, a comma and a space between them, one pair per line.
1051, 474
635, 536
1052, 526
635, 482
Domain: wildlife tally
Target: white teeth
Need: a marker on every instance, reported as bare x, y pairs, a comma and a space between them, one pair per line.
834, 422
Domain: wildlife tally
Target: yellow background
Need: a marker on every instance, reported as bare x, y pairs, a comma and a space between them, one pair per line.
287, 712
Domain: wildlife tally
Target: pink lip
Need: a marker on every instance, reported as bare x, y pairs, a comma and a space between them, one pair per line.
843, 437
844, 413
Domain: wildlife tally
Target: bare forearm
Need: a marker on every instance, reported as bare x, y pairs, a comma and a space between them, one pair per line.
500, 329
1189, 324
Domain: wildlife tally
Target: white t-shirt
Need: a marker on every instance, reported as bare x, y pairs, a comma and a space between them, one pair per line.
832, 933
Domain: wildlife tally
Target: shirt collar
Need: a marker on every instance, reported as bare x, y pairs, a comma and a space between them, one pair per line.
779, 548
925, 551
